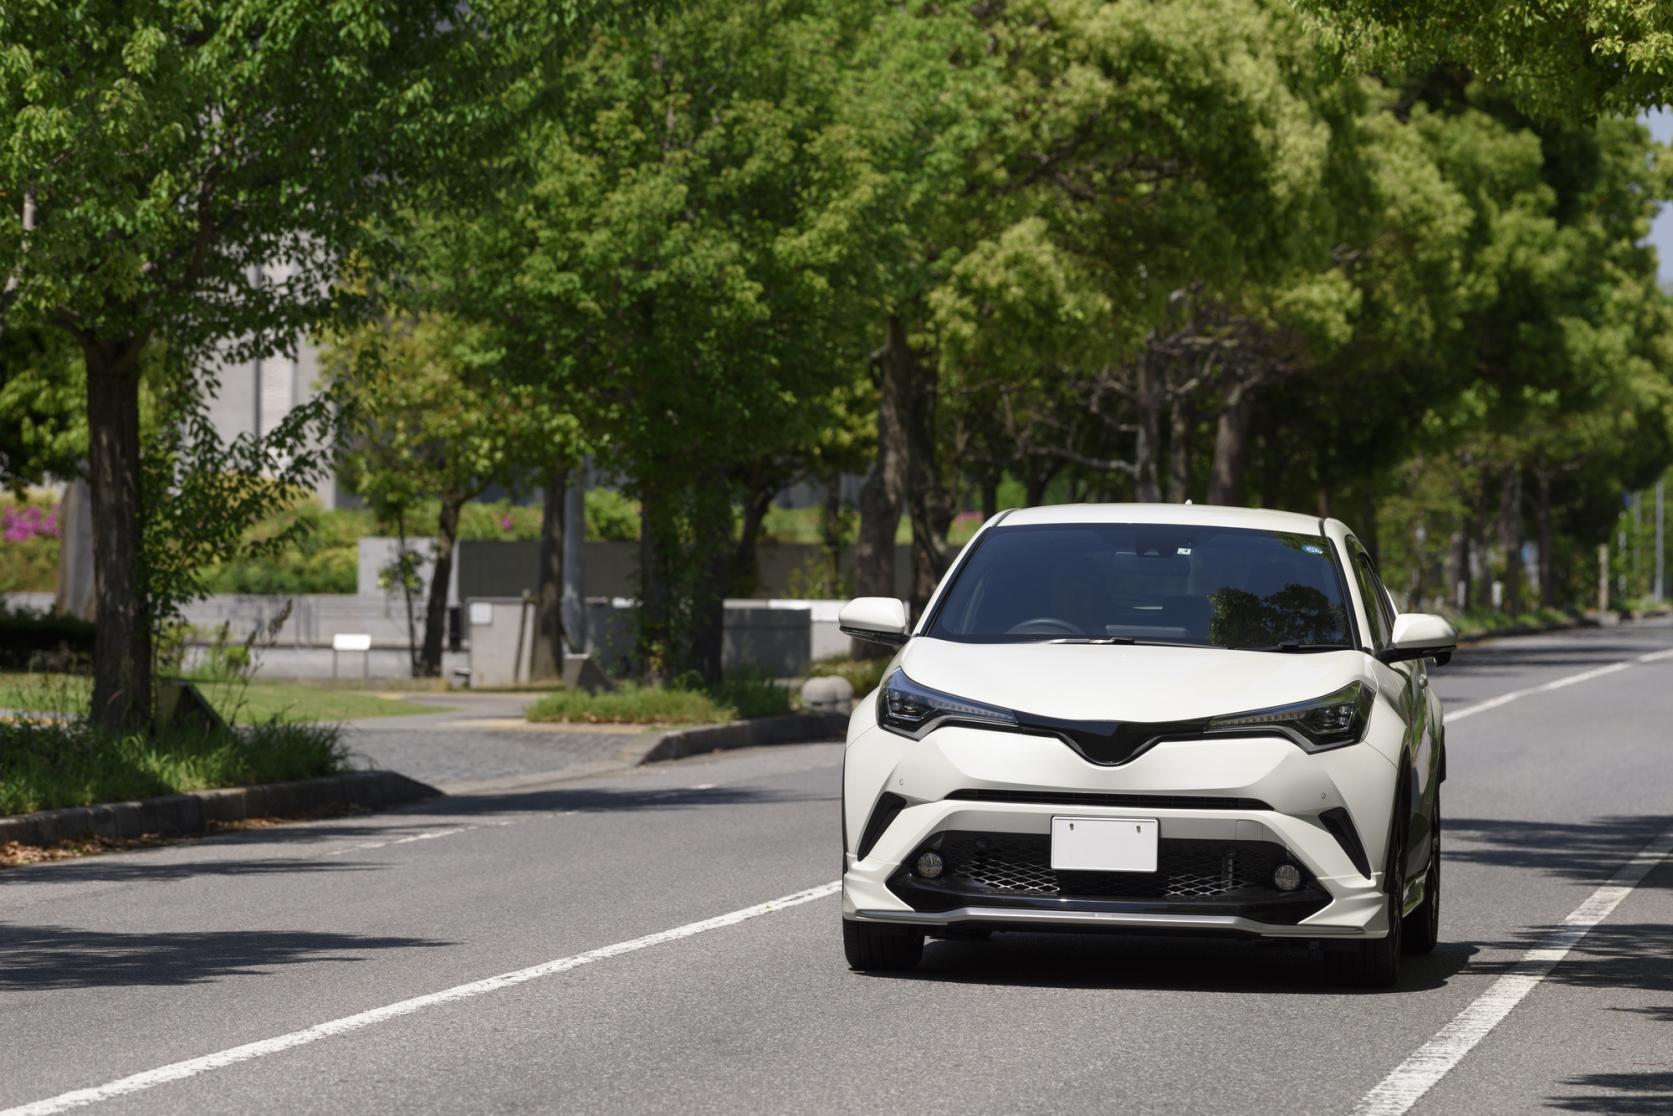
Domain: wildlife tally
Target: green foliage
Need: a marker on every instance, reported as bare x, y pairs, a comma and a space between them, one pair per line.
731, 700
865, 675
43, 408
49, 764
1567, 59
226, 687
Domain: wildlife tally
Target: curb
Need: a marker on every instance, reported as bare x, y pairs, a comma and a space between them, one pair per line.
790, 728
179, 814
1508, 633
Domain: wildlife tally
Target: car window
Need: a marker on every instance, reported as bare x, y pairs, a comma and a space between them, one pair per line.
1170, 583
1377, 611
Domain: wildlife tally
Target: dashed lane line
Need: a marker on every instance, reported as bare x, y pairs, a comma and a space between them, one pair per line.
1415, 1076
192, 1067
1411, 1079
1455, 715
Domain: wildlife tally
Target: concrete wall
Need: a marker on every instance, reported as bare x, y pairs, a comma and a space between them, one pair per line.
771, 637
485, 568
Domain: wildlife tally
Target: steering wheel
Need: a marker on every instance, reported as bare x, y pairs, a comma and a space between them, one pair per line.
1046, 625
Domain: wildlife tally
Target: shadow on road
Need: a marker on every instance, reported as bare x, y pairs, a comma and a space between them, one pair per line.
1628, 1093
1092, 961
604, 800
1612, 955
1587, 853
52, 957
137, 867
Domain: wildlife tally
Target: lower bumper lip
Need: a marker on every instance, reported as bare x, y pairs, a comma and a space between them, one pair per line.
1159, 923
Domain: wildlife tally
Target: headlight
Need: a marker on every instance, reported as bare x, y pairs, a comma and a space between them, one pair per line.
1327, 722
912, 710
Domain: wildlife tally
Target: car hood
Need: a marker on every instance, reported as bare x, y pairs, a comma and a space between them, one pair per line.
1117, 682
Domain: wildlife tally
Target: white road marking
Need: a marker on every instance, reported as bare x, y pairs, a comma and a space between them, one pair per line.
1402, 1088
179, 1071
1453, 715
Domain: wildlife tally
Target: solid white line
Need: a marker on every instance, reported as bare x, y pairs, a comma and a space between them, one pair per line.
1402, 1088
192, 1067
1454, 715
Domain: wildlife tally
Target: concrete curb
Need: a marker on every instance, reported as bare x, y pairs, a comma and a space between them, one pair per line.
177, 814
791, 728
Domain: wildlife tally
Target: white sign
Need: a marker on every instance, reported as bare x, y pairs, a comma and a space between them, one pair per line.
482, 612
351, 641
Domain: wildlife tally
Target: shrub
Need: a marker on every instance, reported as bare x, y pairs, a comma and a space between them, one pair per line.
46, 764
739, 697
863, 674
31, 639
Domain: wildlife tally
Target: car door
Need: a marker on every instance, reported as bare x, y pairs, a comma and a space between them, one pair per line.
1406, 686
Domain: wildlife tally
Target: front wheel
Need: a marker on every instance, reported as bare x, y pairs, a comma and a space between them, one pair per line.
881, 949
1423, 926
1376, 964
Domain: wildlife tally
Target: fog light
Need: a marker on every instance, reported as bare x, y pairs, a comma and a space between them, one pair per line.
930, 864
1287, 877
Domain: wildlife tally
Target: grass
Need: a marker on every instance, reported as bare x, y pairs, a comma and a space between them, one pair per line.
47, 765
237, 702
1481, 622
632, 704
863, 674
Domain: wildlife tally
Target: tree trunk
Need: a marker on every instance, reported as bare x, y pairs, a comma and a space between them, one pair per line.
1231, 445
548, 595
441, 572
1367, 532
1542, 522
929, 501
715, 553
1179, 452
655, 599
830, 534
884, 490
122, 638
1510, 537
1147, 486
990, 496
745, 575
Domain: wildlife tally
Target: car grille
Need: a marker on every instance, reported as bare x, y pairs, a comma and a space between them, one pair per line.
1020, 864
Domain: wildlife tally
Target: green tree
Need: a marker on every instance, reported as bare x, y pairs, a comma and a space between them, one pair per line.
433, 422
193, 175
1572, 58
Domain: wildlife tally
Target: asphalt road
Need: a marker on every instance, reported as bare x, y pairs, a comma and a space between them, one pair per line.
114, 968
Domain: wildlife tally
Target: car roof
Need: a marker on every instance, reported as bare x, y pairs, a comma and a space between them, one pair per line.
1197, 515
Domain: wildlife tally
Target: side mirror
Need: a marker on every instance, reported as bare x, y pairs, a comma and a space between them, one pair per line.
1419, 635
878, 619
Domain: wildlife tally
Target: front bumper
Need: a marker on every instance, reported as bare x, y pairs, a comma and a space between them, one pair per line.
1014, 784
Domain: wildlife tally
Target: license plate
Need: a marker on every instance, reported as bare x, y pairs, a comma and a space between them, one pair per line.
1104, 844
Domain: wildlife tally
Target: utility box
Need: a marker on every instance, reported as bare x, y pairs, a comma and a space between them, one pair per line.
501, 633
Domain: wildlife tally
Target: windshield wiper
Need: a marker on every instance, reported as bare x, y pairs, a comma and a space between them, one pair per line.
1295, 647
1088, 639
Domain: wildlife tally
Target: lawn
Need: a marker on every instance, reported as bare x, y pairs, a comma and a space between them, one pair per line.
239, 703
632, 704
45, 766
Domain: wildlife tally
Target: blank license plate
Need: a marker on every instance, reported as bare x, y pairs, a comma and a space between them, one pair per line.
1104, 844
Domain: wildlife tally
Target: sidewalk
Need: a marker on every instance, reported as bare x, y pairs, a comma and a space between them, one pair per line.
483, 737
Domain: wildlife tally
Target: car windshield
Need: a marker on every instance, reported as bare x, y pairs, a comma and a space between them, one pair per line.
1147, 582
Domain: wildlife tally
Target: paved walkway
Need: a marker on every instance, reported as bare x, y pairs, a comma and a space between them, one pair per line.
483, 737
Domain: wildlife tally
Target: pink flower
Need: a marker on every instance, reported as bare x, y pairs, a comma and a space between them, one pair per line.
505, 522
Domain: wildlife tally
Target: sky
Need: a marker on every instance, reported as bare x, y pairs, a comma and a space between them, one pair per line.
1661, 233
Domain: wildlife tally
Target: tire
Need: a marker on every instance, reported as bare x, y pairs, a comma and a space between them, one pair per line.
1376, 963
961, 934
881, 949
1423, 926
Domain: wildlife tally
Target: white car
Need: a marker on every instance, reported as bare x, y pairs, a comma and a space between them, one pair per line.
1149, 718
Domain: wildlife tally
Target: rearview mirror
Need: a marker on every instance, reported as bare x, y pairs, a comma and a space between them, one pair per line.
878, 619
1420, 635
